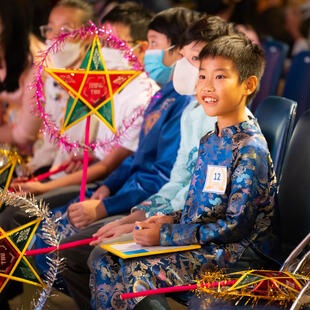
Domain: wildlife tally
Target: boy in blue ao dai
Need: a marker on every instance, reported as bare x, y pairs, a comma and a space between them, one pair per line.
229, 209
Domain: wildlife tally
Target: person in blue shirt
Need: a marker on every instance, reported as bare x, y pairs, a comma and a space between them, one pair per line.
229, 209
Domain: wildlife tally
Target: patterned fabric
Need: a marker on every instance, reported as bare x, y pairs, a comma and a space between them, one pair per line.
243, 214
171, 197
225, 224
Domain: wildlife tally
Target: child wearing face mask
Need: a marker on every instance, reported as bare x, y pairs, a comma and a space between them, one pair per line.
164, 38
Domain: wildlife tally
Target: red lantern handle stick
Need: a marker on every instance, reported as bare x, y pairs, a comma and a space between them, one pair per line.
174, 289
85, 160
60, 247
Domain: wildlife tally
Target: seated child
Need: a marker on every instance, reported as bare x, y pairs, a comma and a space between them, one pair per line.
230, 205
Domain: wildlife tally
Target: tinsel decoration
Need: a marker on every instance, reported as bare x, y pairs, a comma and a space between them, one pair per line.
49, 127
39, 209
91, 88
254, 285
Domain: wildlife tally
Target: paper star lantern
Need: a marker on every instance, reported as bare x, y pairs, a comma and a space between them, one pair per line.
13, 264
8, 161
91, 88
273, 286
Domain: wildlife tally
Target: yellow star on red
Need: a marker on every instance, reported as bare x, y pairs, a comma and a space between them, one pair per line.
13, 264
91, 88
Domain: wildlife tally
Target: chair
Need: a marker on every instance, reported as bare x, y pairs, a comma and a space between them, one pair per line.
276, 117
293, 196
275, 53
297, 86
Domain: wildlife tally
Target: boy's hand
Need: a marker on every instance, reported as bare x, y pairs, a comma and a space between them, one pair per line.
86, 212
148, 234
160, 219
101, 193
112, 232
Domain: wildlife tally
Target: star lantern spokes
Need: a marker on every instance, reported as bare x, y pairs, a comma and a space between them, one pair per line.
91, 88
13, 264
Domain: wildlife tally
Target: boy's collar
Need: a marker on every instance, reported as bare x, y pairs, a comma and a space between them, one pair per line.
232, 130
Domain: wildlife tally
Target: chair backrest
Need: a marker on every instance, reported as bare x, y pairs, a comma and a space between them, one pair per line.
297, 83
276, 117
275, 53
294, 187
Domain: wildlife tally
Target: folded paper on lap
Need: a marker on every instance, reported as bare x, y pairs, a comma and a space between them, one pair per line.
131, 249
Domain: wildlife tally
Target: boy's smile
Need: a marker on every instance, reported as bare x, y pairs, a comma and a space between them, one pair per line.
209, 99
220, 92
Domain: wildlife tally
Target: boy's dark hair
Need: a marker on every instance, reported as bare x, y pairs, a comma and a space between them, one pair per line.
247, 57
173, 22
81, 5
14, 41
133, 15
206, 29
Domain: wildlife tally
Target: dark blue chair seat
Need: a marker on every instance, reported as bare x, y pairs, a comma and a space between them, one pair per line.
276, 117
297, 82
275, 53
294, 194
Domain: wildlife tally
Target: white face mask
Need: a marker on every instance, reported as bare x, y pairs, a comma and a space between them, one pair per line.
114, 59
185, 77
66, 55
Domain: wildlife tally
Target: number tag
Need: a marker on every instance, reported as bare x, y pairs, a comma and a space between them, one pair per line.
216, 179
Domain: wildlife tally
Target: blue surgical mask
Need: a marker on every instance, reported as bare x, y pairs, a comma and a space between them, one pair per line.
153, 63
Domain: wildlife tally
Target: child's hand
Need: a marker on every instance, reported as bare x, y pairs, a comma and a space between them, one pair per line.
86, 212
147, 234
111, 232
160, 219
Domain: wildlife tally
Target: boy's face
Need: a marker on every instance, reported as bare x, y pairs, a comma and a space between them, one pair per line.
63, 19
218, 88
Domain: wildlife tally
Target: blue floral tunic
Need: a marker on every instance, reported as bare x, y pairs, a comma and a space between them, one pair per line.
229, 207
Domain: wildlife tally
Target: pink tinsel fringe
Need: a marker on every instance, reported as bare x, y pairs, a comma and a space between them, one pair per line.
49, 126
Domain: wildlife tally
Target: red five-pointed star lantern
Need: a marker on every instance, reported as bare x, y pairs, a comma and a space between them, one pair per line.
13, 264
91, 89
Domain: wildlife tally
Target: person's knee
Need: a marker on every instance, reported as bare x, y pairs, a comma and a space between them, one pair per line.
12, 217
94, 255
